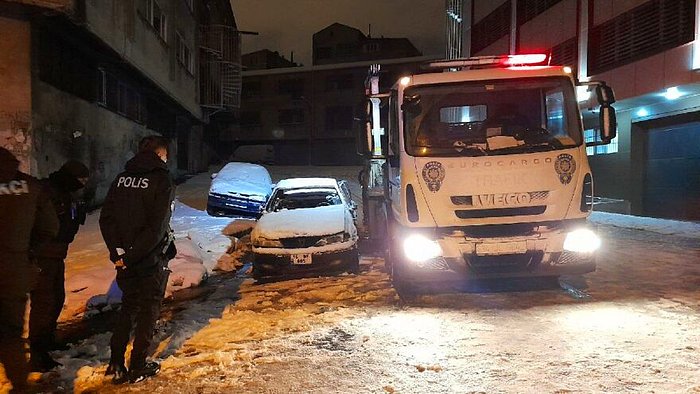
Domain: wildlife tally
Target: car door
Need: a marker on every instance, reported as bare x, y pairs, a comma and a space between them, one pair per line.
347, 198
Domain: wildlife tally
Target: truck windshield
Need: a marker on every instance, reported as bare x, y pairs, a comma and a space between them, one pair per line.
497, 117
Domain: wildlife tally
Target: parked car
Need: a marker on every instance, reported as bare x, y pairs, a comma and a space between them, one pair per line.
239, 190
308, 227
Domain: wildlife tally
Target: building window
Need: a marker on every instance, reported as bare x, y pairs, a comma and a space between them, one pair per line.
293, 87
338, 118
490, 29
290, 116
592, 135
345, 49
190, 5
529, 9
184, 55
251, 89
372, 47
324, 52
157, 19
119, 96
250, 119
651, 28
339, 82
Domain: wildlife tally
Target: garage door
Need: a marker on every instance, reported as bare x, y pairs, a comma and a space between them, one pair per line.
672, 181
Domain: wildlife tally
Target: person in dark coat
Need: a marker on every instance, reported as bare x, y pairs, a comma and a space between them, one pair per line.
135, 224
27, 220
49, 294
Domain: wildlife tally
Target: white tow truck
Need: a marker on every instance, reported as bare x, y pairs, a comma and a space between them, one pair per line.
477, 168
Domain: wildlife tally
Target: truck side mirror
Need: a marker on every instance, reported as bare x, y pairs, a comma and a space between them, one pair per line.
605, 94
363, 133
608, 123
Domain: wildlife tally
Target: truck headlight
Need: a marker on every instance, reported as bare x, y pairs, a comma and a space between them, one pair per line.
418, 248
582, 241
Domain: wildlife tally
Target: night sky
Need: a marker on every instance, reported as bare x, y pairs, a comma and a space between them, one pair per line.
288, 25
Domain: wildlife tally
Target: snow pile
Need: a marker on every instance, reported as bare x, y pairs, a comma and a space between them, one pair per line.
206, 233
661, 226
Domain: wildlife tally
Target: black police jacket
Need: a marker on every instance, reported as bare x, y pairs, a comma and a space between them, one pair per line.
71, 213
27, 220
136, 213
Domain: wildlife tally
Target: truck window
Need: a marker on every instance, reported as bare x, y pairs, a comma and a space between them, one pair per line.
394, 124
492, 117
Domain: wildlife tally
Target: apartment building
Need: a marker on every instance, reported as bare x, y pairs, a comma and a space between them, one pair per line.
88, 79
306, 114
647, 50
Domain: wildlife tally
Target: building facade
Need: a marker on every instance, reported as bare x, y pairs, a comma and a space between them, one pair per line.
649, 52
306, 115
88, 79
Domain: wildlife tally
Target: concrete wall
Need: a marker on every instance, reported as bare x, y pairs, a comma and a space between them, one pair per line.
65, 127
670, 68
123, 25
15, 94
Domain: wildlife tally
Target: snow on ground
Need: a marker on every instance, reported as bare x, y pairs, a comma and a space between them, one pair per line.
638, 330
661, 226
90, 275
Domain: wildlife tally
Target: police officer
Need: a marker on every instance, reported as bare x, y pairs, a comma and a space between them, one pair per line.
27, 219
49, 294
135, 224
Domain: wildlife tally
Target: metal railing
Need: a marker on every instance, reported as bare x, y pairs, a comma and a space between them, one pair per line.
220, 67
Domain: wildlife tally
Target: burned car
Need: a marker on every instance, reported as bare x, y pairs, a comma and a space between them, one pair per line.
239, 190
307, 227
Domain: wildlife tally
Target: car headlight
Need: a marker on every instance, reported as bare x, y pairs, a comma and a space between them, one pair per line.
418, 248
582, 241
267, 243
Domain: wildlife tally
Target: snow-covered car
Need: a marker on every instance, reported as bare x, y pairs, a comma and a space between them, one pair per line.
307, 227
240, 190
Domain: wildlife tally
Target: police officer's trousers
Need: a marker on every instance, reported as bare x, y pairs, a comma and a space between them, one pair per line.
47, 300
141, 301
12, 354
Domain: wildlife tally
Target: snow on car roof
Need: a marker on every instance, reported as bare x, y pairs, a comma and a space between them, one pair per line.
305, 183
242, 178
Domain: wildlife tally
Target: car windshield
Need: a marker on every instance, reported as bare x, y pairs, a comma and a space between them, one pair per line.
303, 198
491, 118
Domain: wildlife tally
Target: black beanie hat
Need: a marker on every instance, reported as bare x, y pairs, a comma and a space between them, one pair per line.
75, 169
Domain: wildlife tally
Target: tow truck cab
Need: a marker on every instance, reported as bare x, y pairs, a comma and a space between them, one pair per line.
485, 172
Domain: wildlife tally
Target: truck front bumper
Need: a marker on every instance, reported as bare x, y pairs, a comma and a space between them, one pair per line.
529, 264
463, 257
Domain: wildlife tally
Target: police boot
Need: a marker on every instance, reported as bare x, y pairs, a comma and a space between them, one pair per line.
42, 362
150, 369
118, 372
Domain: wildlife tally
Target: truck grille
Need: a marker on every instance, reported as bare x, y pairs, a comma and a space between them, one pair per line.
500, 212
468, 200
505, 263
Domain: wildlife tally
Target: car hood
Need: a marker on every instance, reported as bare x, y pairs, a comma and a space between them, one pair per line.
240, 188
302, 222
